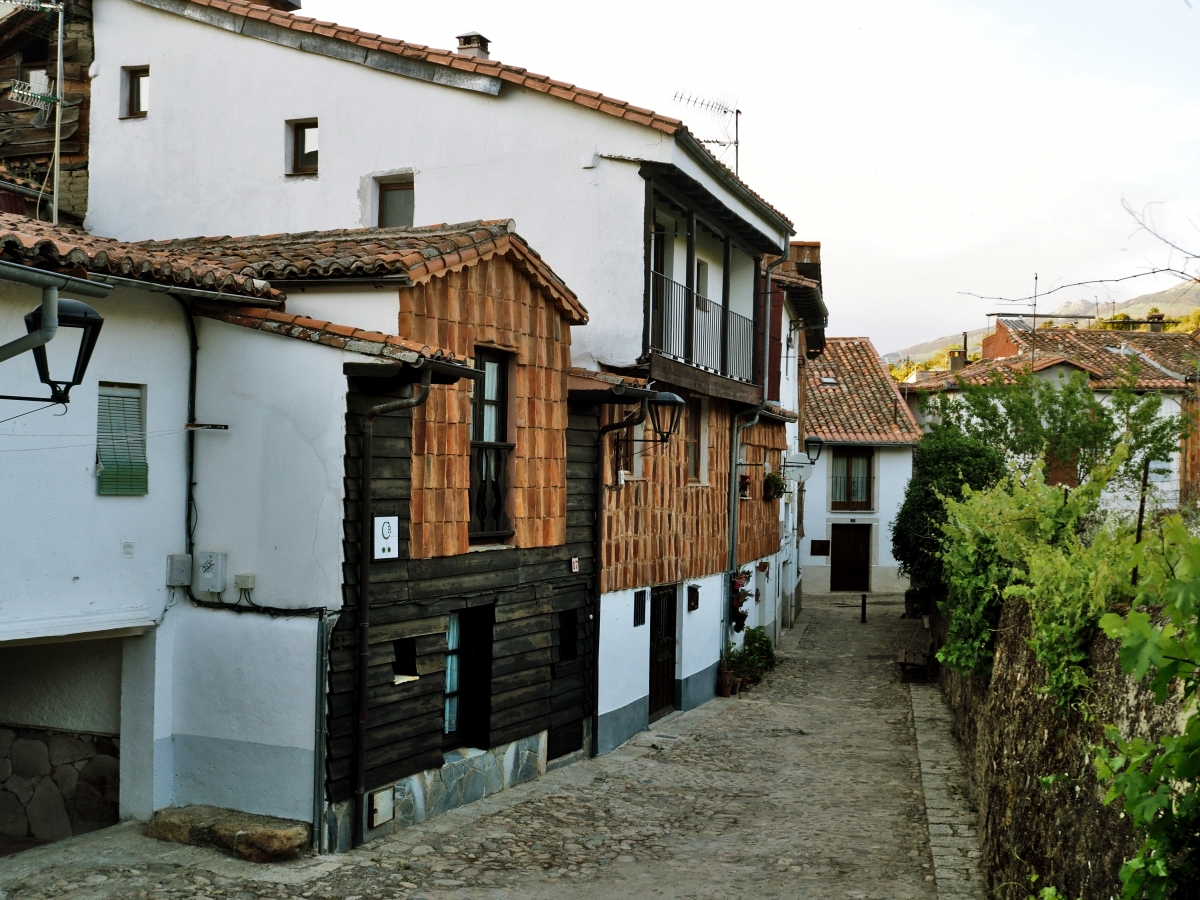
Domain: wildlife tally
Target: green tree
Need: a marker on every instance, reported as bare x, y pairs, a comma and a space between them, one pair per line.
944, 461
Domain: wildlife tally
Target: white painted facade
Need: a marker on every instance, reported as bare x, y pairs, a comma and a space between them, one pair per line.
891, 469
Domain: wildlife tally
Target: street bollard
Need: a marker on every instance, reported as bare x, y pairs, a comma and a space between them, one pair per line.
864, 610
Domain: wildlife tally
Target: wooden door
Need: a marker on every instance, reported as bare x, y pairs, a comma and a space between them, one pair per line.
662, 650
850, 558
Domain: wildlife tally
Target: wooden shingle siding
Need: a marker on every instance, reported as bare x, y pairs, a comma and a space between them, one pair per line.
532, 690
498, 305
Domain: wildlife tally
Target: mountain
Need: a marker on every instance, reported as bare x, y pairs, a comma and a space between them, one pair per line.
1177, 300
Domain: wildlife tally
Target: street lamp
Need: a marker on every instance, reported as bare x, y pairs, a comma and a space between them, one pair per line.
812, 448
71, 314
666, 409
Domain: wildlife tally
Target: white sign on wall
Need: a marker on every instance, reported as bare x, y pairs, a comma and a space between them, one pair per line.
387, 537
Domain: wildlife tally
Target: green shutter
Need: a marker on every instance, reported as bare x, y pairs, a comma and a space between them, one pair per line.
121, 442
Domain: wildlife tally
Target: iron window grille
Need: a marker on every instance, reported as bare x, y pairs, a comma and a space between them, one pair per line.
639, 608
121, 466
489, 451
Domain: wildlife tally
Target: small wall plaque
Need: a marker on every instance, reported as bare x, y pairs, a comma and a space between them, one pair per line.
387, 537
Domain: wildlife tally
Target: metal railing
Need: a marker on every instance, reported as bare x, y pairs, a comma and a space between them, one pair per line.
852, 491
489, 490
694, 329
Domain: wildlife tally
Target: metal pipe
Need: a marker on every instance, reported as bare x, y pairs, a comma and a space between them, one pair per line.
735, 449
83, 287
43, 335
176, 290
365, 532
324, 629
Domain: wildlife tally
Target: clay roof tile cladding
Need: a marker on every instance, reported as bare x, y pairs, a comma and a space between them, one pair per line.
861, 404
511, 74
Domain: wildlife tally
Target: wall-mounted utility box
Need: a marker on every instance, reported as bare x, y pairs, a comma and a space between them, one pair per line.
381, 808
179, 570
210, 572
243, 582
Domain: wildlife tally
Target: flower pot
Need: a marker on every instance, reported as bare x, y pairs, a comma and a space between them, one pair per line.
735, 685
724, 690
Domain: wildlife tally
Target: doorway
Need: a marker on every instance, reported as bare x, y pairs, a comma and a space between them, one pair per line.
850, 558
663, 601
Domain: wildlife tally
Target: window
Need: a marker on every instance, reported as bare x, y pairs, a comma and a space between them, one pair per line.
693, 417
702, 278
404, 662
489, 449
468, 691
639, 608
396, 204
121, 467
304, 148
568, 636
137, 92
852, 479
693, 597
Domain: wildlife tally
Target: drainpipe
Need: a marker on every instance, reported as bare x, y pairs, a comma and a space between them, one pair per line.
365, 532
43, 335
50, 284
637, 419
752, 416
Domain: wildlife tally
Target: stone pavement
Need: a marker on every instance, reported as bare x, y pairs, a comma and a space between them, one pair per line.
809, 786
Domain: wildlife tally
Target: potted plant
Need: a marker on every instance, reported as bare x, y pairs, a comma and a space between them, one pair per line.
774, 486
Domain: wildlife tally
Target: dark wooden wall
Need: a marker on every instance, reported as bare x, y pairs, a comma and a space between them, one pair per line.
532, 688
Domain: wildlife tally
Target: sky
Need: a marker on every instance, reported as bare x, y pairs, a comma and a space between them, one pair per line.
936, 149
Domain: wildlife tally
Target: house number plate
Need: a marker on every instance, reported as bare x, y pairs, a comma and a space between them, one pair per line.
387, 537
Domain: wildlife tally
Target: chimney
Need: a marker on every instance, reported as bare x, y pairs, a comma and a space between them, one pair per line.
958, 360
473, 44
1156, 321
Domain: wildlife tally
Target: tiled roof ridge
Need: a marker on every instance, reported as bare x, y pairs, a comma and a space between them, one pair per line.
329, 334
29, 242
590, 99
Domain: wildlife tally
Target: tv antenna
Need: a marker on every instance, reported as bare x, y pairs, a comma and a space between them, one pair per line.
723, 109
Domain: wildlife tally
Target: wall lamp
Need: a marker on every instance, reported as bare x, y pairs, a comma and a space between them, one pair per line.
43, 324
666, 410
812, 448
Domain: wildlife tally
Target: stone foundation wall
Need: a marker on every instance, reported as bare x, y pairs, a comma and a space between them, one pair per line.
467, 775
54, 785
1011, 734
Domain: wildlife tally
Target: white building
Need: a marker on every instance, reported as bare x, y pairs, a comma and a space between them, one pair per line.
852, 494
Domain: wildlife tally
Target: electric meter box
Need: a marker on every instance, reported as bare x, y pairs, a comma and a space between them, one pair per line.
179, 570
210, 572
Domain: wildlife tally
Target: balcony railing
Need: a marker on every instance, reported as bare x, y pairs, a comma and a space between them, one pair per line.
852, 492
489, 491
694, 329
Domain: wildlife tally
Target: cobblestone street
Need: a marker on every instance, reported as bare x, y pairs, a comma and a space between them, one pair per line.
809, 786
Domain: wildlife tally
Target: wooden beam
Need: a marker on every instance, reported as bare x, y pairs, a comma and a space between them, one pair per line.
707, 383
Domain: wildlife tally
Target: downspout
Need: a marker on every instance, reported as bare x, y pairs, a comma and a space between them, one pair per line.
637, 419
365, 532
735, 442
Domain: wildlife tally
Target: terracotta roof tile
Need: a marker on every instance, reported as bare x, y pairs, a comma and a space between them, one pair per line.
511, 74
862, 404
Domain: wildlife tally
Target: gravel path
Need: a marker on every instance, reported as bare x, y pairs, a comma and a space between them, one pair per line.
809, 786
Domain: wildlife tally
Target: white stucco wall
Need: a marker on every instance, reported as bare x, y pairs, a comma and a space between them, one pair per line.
624, 659
892, 468
73, 686
61, 556
700, 631
523, 155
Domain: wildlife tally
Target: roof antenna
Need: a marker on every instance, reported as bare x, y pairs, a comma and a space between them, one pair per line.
722, 109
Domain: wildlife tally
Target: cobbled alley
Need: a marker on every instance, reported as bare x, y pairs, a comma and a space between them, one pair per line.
812, 785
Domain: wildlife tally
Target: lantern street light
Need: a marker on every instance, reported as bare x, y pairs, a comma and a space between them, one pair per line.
45, 322
666, 409
812, 448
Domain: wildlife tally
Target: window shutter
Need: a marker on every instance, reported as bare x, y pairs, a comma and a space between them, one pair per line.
121, 466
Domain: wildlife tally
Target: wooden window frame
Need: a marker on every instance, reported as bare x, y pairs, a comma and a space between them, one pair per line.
133, 102
693, 439
298, 130
388, 187
490, 457
845, 504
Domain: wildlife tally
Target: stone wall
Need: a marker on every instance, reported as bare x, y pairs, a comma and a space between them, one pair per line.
1011, 734
54, 785
467, 775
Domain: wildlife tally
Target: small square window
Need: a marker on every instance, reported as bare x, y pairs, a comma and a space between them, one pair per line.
137, 92
304, 148
639, 608
121, 467
396, 204
404, 662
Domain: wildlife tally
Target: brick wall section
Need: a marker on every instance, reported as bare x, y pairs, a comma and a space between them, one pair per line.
758, 520
496, 304
660, 528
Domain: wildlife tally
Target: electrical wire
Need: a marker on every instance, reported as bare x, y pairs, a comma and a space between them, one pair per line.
39, 409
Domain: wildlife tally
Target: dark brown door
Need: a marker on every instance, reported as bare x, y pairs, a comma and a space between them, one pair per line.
850, 558
662, 650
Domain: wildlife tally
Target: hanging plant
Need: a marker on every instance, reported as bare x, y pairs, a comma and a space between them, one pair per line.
774, 486
744, 487
739, 619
